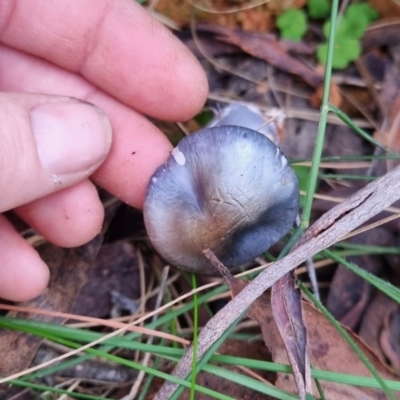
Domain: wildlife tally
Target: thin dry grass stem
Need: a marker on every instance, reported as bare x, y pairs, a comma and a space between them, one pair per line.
182, 128
170, 281
165, 20
150, 288
36, 240
317, 265
337, 165
230, 10
122, 327
221, 296
343, 7
114, 324
371, 226
265, 123
273, 86
128, 318
152, 5
186, 316
334, 199
212, 61
249, 323
255, 376
353, 100
394, 210
293, 112
71, 388
142, 276
370, 83
342, 79
136, 386
142, 306
78, 351
124, 320
73, 382
101, 322
60, 348
20, 395
235, 72
111, 201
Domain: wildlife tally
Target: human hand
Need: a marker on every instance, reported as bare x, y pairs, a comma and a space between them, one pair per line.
108, 53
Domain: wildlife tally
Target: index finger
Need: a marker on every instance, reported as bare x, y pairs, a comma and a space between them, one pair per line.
116, 45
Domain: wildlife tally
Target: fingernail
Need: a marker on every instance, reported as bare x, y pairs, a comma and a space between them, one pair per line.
70, 136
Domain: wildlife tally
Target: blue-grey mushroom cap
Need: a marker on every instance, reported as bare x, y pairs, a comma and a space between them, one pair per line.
226, 188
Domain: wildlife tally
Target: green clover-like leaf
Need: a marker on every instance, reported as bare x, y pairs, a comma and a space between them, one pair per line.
346, 50
318, 9
354, 11
351, 47
341, 28
355, 27
355, 21
292, 24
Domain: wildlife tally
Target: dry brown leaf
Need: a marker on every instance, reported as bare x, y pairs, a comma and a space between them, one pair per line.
69, 269
269, 49
372, 323
238, 348
255, 19
335, 97
350, 294
393, 132
328, 350
278, 6
384, 32
115, 269
390, 338
389, 135
386, 8
288, 316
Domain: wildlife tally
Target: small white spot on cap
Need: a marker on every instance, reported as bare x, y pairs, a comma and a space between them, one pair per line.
277, 152
283, 161
154, 179
178, 156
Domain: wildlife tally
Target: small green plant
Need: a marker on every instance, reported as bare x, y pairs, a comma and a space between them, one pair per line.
292, 24
319, 9
350, 29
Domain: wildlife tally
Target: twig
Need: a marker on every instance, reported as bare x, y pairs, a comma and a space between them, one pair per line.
132, 394
330, 228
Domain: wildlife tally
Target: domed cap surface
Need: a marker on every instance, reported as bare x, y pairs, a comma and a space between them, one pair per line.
226, 188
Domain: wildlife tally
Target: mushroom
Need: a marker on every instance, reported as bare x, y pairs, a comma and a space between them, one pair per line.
249, 116
226, 188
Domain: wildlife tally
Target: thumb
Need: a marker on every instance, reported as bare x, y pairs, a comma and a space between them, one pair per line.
46, 144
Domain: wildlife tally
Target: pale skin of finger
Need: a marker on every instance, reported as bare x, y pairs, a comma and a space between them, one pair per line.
116, 45
174, 84
119, 49
23, 274
24, 177
138, 147
67, 218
